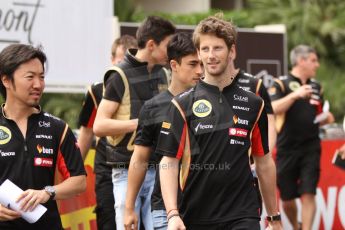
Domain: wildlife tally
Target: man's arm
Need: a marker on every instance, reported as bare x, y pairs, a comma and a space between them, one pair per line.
106, 126
169, 171
266, 171
136, 175
85, 139
272, 133
70, 187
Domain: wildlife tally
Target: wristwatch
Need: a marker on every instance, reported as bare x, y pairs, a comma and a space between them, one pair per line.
51, 191
274, 218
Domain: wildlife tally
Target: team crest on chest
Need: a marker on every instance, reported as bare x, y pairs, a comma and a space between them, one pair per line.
294, 85
202, 108
5, 135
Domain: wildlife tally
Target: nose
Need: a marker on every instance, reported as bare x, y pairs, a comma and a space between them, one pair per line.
38, 83
199, 69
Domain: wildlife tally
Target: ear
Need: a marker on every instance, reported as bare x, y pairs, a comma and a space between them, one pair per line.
173, 65
5, 81
150, 44
233, 52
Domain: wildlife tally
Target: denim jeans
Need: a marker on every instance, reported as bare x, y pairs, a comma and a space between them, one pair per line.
159, 220
142, 203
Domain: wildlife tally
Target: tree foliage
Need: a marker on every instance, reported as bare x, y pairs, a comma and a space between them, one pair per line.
318, 23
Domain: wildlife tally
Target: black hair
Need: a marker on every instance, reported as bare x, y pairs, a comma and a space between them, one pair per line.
180, 45
155, 28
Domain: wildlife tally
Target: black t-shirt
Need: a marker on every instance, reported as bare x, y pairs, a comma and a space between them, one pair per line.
296, 127
31, 162
87, 118
213, 142
152, 115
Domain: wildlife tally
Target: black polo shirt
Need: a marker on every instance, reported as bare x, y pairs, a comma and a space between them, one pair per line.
249, 83
143, 85
296, 127
87, 117
152, 114
30, 162
213, 142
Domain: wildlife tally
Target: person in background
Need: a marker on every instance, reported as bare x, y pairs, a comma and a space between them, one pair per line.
206, 143
296, 101
105, 211
185, 73
127, 86
32, 141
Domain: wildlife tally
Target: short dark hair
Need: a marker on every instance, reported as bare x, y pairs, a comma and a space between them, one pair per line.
12, 56
155, 28
180, 45
127, 41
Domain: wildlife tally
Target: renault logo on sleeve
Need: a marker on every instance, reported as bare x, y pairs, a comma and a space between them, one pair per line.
202, 108
5, 135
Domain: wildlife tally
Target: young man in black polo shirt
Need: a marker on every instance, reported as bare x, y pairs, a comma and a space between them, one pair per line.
117, 116
296, 100
104, 210
212, 129
185, 73
34, 143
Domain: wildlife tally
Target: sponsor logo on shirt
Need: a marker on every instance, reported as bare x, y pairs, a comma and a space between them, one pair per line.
294, 85
272, 91
238, 132
44, 124
240, 108
166, 125
240, 121
242, 80
5, 135
42, 149
7, 154
42, 136
43, 162
202, 127
240, 98
245, 88
49, 115
202, 108
236, 142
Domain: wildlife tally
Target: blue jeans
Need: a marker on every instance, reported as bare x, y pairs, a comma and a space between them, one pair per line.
142, 203
159, 220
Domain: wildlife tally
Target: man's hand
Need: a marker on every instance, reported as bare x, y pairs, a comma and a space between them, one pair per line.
274, 225
304, 91
30, 198
131, 219
7, 214
176, 223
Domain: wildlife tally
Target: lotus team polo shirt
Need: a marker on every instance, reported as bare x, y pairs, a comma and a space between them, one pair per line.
296, 127
152, 115
249, 83
212, 133
30, 162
